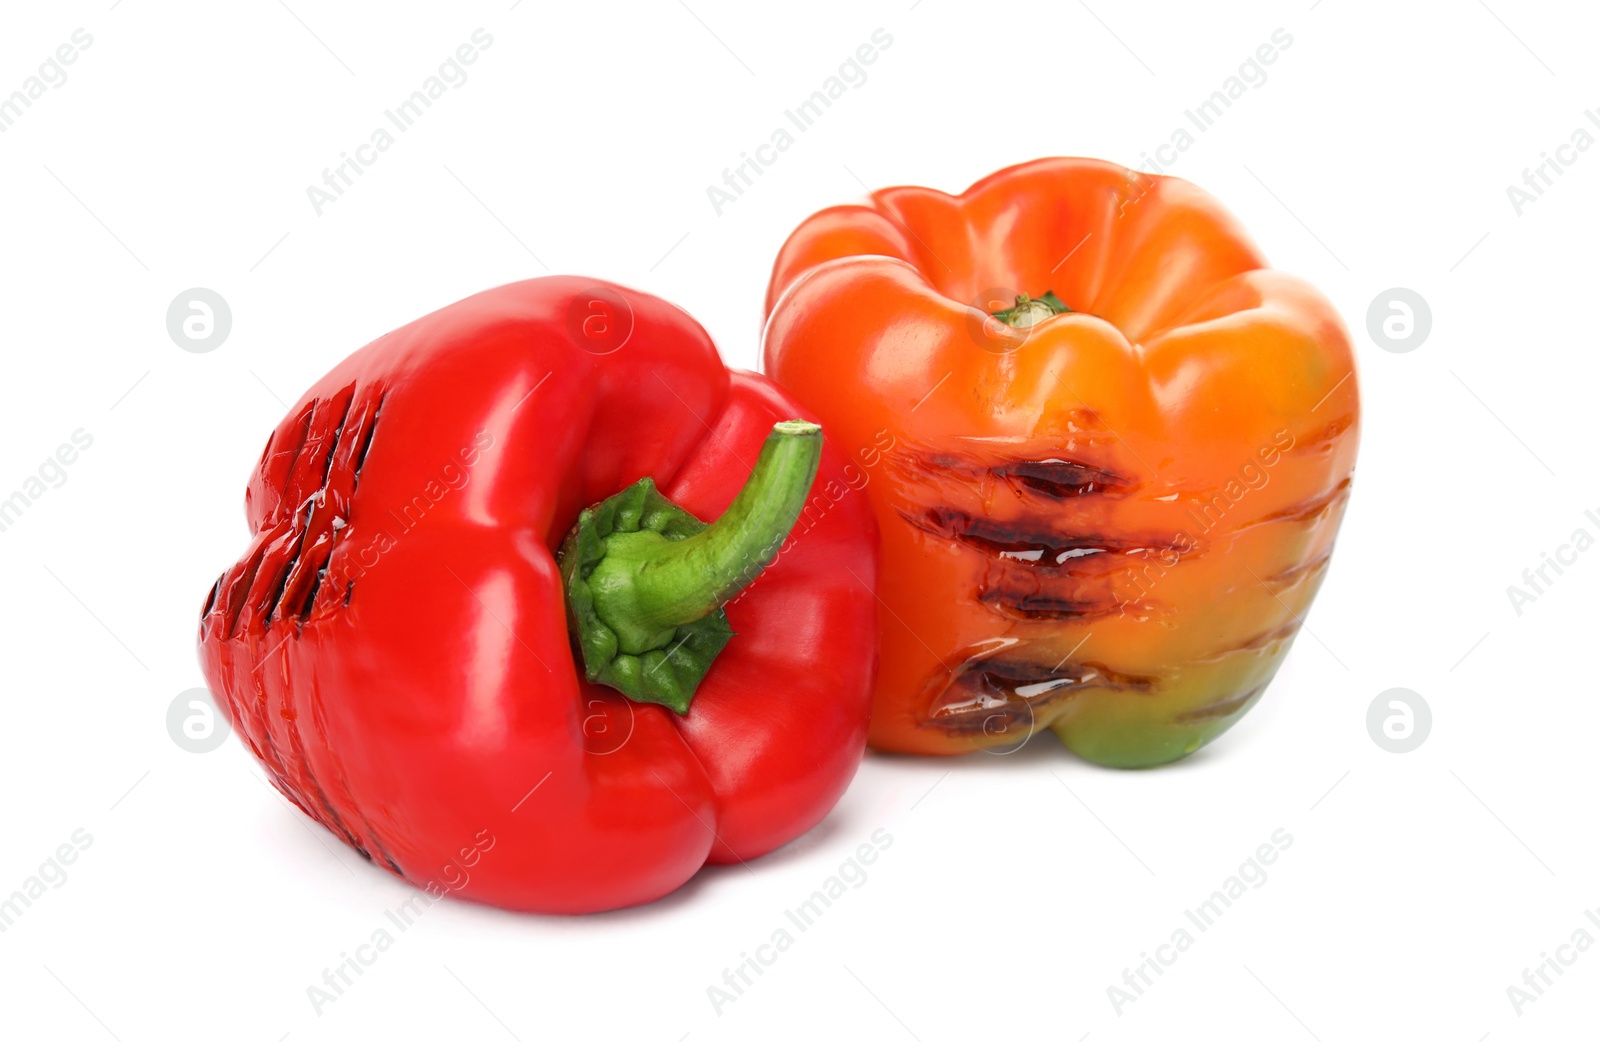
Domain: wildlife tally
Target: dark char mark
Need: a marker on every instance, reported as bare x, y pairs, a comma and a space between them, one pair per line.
234, 609
276, 600
1054, 478
1032, 542
1003, 695
1306, 509
1062, 479
1042, 607
211, 598
1217, 710
366, 444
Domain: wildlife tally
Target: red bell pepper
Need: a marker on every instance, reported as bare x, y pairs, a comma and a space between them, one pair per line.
394, 645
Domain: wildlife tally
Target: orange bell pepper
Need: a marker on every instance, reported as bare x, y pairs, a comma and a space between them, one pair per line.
1107, 448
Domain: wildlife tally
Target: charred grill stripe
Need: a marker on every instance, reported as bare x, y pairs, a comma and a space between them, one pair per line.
388, 859
1290, 575
300, 480
338, 434
1075, 564
276, 594
273, 760
211, 598
1028, 671
1306, 509
1325, 439
1062, 479
1216, 710
319, 728
272, 603
334, 822
992, 696
303, 421
1265, 639
239, 592
1034, 543
1041, 607
363, 422
303, 609
1261, 640
377, 845
295, 590
366, 444
241, 589
305, 573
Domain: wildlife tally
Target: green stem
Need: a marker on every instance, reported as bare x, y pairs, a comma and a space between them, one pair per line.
1030, 311
646, 580
652, 586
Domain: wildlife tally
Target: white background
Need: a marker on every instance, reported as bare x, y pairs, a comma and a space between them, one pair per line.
1018, 888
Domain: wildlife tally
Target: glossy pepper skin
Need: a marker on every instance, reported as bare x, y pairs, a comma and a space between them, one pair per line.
393, 646
1109, 522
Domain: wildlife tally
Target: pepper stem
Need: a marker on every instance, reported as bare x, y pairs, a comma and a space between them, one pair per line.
668, 584
646, 580
1030, 311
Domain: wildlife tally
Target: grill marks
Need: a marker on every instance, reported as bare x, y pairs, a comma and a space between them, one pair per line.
1034, 540
1062, 479
1006, 695
308, 473
1057, 551
1308, 509
334, 487
339, 488
275, 597
308, 485
279, 458
313, 502
370, 422
1325, 439
338, 433
1218, 710
306, 479
1289, 577
238, 588
1031, 605
301, 608
1052, 477
1034, 573
1049, 558
309, 784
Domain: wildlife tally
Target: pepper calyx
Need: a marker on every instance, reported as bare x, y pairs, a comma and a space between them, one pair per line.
646, 580
1030, 311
